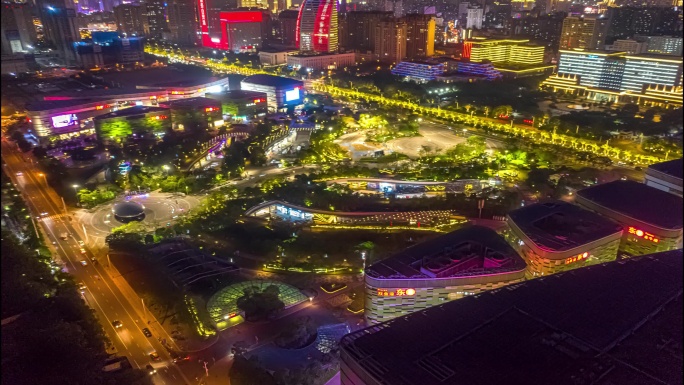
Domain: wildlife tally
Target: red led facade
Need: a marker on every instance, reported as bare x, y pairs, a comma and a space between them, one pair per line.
467, 48
322, 26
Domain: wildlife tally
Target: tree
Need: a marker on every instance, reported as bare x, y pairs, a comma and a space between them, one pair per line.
502, 110
297, 334
249, 372
630, 109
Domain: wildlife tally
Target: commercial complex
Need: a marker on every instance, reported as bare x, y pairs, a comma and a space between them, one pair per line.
666, 176
71, 113
322, 61
619, 77
604, 324
651, 218
281, 92
419, 71
274, 58
317, 26
241, 104
462, 263
557, 236
116, 126
195, 114
503, 51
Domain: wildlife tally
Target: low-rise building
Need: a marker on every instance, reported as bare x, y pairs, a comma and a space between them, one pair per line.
140, 120
557, 236
666, 176
462, 263
651, 218
419, 71
274, 58
281, 92
195, 114
322, 61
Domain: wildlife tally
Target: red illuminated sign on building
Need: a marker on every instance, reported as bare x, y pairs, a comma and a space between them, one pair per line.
467, 48
322, 26
396, 293
643, 234
242, 17
299, 21
210, 109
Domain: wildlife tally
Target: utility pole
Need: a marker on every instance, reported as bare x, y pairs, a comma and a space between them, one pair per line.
85, 232
144, 311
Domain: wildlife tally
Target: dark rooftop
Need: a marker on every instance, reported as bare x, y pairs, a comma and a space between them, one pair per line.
638, 201
136, 110
466, 252
43, 105
157, 76
615, 323
235, 94
270, 80
561, 226
674, 168
192, 102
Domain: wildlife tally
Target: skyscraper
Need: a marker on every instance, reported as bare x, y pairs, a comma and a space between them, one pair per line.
60, 27
584, 32
17, 30
390, 41
420, 35
182, 21
288, 26
360, 30
156, 19
317, 26
130, 19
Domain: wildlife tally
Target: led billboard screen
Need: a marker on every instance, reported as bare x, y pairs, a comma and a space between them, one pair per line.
64, 120
292, 95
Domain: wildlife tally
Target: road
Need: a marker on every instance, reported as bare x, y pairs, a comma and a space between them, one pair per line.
101, 293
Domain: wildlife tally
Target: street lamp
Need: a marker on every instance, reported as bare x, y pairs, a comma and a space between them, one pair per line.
44, 177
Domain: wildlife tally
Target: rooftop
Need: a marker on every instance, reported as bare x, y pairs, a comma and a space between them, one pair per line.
136, 110
466, 252
235, 94
160, 76
636, 200
615, 323
193, 102
43, 105
270, 80
559, 226
673, 168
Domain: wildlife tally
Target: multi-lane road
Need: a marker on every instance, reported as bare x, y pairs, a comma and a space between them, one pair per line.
101, 292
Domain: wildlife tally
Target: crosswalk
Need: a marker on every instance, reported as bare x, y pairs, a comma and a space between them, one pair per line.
53, 217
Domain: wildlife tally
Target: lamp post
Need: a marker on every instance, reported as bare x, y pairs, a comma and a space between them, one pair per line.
75, 186
44, 178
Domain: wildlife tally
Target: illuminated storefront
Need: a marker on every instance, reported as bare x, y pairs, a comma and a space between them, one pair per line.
461, 263
651, 218
557, 236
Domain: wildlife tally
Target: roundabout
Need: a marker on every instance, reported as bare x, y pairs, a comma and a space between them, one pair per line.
158, 210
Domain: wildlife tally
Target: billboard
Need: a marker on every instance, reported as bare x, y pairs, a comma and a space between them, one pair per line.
67, 120
292, 95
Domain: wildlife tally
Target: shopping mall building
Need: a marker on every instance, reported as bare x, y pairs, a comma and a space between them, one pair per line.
651, 218
557, 236
458, 264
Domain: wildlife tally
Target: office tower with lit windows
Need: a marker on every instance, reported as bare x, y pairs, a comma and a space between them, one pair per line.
506, 51
17, 32
584, 32
360, 29
390, 41
420, 35
619, 77
155, 11
287, 25
317, 27
182, 21
130, 19
60, 27
461, 263
556, 236
243, 30
475, 18
662, 45
651, 218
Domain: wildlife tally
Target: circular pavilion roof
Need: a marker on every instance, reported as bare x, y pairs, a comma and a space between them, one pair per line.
224, 301
128, 209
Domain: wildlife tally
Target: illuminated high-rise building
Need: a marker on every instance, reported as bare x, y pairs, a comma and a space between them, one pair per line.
130, 19
60, 26
506, 51
584, 32
390, 41
182, 21
156, 18
17, 30
317, 26
420, 35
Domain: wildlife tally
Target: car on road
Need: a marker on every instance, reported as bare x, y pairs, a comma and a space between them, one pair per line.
84, 262
82, 250
150, 369
117, 324
147, 332
178, 359
19, 173
81, 243
81, 287
154, 356
43, 214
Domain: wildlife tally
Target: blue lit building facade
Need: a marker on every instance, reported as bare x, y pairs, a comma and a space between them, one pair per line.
418, 71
